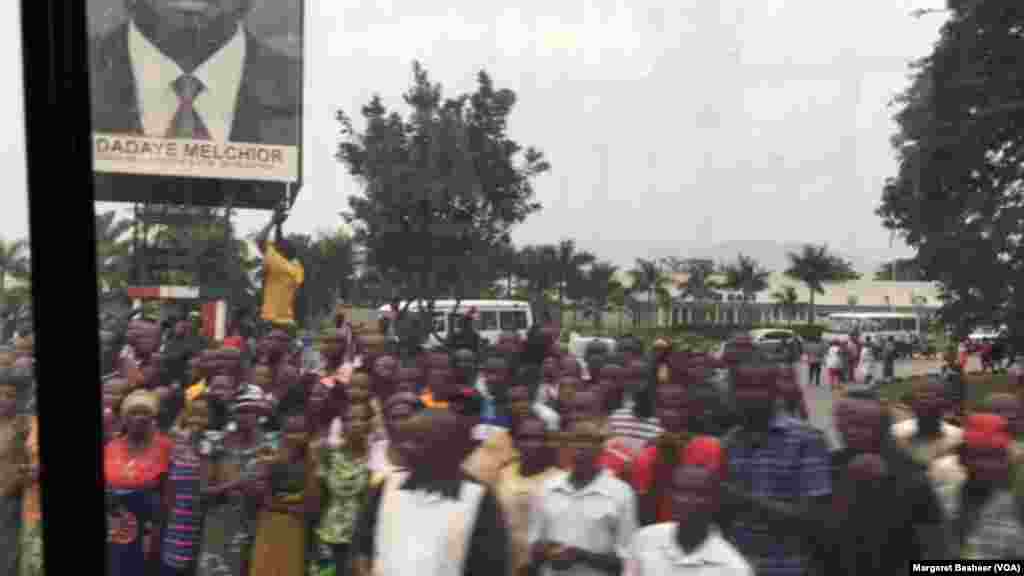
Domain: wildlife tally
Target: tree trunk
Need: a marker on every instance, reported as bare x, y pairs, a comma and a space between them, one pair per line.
811, 310
652, 309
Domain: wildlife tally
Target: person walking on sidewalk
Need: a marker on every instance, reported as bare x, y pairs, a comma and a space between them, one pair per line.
815, 351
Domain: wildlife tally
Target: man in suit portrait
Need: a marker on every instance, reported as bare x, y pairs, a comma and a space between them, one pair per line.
191, 69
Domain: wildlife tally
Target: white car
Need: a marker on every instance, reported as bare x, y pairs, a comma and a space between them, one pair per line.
983, 333
773, 336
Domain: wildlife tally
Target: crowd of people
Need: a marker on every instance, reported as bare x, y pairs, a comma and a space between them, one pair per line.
251, 457
520, 460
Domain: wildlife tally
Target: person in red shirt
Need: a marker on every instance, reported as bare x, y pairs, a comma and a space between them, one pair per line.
652, 470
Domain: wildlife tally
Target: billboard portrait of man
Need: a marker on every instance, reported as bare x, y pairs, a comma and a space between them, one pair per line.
193, 71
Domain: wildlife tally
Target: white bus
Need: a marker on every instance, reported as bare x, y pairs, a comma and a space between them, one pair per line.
493, 318
904, 327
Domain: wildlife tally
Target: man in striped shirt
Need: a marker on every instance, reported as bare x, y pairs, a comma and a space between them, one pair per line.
780, 481
634, 425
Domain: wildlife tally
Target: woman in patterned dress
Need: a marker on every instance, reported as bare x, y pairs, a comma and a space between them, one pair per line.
182, 497
344, 473
232, 486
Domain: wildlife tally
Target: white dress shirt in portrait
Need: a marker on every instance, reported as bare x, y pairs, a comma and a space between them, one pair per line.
654, 552
599, 518
155, 73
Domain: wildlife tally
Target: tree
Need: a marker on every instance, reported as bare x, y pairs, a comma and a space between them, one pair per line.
538, 267
957, 196
601, 285
113, 251
814, 266
15, 263
900, 270
699, 283
648, 278
214, 254
441, 188
747, 276
570, 271
788, 300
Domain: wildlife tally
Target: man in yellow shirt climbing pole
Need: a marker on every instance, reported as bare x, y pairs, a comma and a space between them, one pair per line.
283, 275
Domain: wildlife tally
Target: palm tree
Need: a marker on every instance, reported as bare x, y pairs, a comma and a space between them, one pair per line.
814, 266
601, 284
747, 276
699, 284
569, 268
788, 300
112, 250
15, 262
647, 277
539, 264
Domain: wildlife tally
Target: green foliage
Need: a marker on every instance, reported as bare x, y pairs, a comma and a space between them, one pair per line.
649, 278
900, 270
328, 264
441, 188
699, 284
788, 300
747, 276
113, 251
814, 266
957, 196
217, 256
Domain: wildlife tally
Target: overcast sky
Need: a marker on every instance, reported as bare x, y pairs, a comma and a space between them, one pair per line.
671, 126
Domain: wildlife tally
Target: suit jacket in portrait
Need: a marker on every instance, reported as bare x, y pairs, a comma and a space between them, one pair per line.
266, 112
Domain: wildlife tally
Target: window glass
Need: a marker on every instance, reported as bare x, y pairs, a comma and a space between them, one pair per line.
513, 320
488, 320
439, 325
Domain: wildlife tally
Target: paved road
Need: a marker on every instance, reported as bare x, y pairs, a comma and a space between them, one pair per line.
820, 399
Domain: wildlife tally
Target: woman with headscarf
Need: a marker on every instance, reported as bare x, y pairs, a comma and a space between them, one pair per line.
985, 457
14, 429
135, 466
233, 486
997, 532
182, 497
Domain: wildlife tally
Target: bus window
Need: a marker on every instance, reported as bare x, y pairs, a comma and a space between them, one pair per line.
455, 321
909, 324
513, 320
892, 324
488, 320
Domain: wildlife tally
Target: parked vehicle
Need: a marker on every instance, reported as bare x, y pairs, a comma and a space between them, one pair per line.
492, 318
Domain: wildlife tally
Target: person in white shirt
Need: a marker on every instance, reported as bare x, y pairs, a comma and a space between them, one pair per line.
868, 361
582, 521
834, 364
691, 543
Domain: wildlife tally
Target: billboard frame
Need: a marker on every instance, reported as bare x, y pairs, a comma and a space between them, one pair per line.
213, 192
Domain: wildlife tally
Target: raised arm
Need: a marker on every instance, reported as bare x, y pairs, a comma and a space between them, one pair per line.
275, 223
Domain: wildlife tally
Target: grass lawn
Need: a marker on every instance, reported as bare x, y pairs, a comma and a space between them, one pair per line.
978, 387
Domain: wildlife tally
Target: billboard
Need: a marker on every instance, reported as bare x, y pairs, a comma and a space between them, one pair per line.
197, 101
